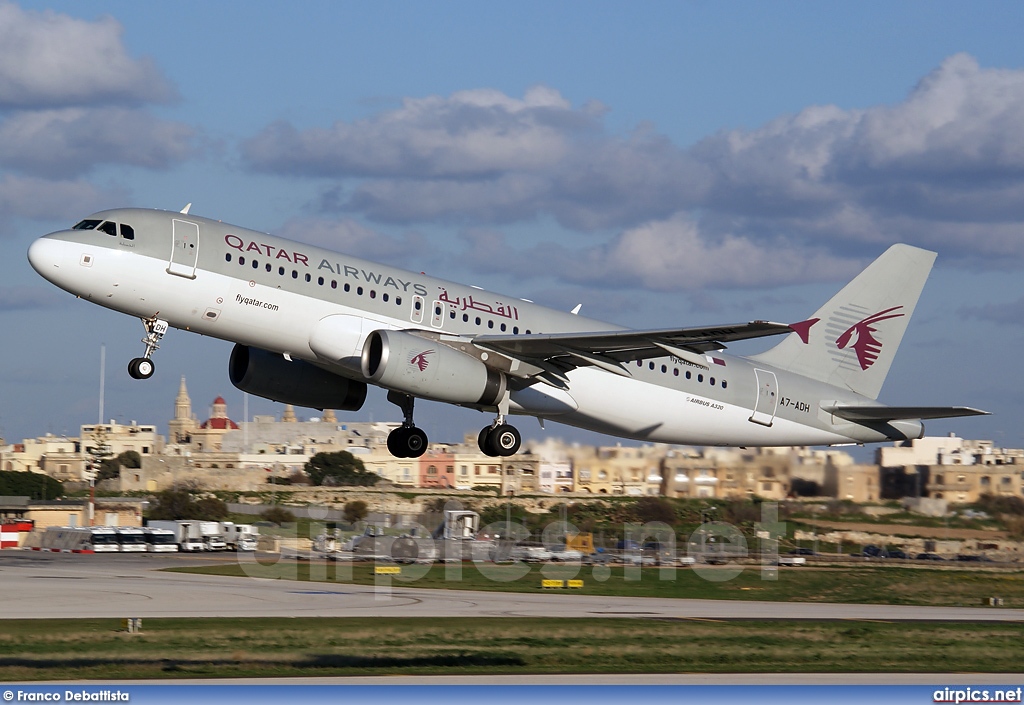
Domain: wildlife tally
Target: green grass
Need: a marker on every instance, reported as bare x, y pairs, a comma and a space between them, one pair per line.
221, 648
861, 585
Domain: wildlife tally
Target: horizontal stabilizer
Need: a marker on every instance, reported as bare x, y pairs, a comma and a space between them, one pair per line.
892, 413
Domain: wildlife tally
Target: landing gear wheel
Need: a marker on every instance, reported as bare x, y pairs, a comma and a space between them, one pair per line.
141, 368
505, 439
484, 441
407, 442
396, 442
502, 440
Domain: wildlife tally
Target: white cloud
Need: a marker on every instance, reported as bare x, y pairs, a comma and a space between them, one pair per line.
43, 199
667, 255
72, 140
52, 60
473, 133
354, 239
803, 196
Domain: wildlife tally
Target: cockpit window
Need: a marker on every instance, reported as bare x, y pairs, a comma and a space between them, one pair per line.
87, 225
109, 228
127, 232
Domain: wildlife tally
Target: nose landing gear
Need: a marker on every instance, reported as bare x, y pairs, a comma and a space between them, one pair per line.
143, 367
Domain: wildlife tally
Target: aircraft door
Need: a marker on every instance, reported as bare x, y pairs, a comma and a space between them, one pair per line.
416, 316
184, 248
767, 398
437, 316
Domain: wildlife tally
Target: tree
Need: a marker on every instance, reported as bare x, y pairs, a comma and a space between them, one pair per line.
29, 484
655, 509
278, 515
111, 467
355, 511
340, 468
99, 453
181, 504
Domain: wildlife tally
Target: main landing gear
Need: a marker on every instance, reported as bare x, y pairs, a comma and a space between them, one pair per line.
499, 439
143, 367
406, 441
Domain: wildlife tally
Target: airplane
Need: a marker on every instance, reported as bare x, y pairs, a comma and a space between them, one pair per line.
315, 328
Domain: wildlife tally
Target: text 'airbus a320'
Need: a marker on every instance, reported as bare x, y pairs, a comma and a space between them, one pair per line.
313, 328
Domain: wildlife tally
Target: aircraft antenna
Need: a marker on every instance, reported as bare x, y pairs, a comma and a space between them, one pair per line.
185, 209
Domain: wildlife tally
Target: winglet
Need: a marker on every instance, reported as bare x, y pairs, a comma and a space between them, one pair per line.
803, 328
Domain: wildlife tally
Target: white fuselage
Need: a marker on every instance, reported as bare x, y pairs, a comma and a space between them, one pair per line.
213, 295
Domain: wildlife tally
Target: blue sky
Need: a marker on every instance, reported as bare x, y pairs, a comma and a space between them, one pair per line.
665, 164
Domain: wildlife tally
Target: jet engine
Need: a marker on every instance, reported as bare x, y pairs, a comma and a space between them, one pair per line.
297, 382
426, 368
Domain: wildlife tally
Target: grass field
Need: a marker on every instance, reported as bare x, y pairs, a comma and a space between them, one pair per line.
861, 584
220, 648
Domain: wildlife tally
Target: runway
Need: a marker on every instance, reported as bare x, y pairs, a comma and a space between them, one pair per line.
44, 585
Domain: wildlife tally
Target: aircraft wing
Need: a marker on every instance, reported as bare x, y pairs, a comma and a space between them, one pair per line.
609, 349
893, 413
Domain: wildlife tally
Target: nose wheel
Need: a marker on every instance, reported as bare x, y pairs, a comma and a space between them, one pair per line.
143, 367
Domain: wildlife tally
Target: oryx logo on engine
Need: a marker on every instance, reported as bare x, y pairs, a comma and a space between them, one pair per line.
420, 360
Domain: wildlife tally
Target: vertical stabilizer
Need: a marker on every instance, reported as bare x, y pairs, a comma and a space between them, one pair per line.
851, 341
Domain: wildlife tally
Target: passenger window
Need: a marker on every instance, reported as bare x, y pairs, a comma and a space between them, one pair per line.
127, 232
109, 228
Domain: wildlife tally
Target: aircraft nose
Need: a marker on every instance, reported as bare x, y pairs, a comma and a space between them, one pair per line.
45, 256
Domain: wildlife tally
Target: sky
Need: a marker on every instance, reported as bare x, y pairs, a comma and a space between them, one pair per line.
662, 163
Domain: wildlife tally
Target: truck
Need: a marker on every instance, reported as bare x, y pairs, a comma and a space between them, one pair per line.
213, 539
160, 541
186, 533
132, 539
239, 537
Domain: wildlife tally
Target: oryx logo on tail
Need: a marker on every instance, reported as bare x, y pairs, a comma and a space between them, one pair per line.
866, 345
420, 360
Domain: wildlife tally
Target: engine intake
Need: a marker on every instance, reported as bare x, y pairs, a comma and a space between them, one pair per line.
299, 383
425, 368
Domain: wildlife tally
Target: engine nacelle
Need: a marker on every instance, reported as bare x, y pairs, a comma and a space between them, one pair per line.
425, 368
299, 383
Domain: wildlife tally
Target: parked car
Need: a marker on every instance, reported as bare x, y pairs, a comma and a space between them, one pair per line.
873, 551
973, 558
928, 557
896, 553
802, 552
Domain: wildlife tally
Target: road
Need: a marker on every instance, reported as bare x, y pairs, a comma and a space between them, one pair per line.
45, 585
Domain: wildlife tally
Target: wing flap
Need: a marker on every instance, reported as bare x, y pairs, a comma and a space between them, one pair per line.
625, 345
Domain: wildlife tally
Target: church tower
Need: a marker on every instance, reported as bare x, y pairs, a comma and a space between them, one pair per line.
183, 424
